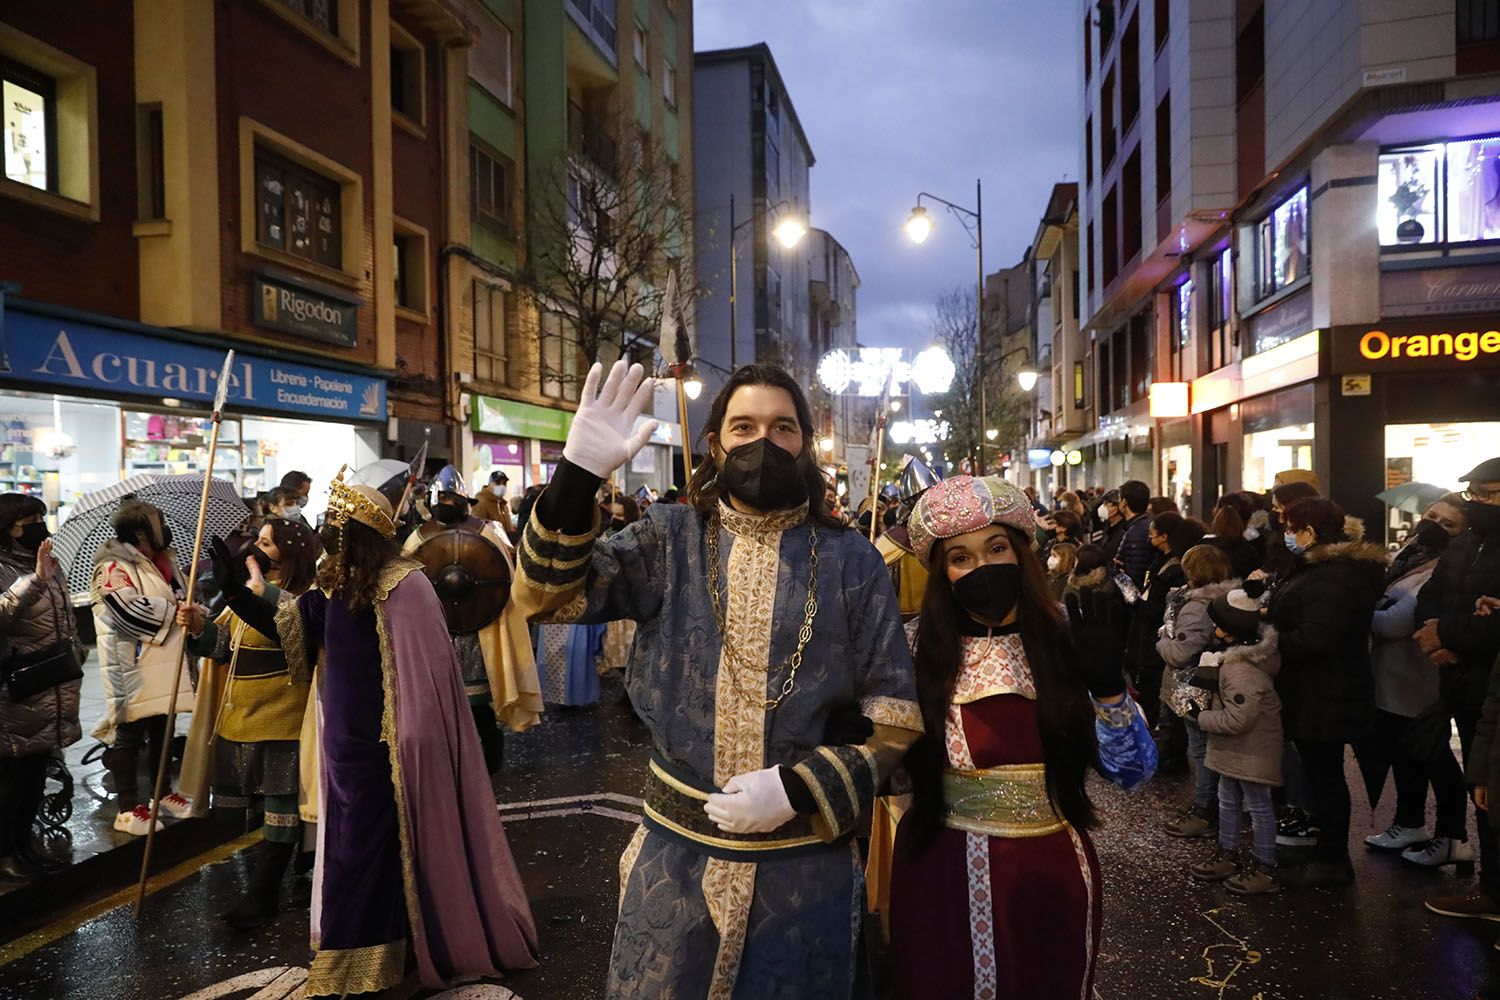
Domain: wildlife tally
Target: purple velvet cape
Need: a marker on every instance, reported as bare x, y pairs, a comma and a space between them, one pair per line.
466, 907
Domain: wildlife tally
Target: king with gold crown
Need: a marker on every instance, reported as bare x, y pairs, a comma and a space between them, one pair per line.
412, 858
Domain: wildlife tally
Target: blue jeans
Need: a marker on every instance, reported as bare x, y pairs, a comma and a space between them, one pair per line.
1205, 782
1234, 797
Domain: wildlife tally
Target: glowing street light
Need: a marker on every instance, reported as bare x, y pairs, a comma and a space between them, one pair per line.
918, 225
789, 231
826, 445
1027, 377
990, 434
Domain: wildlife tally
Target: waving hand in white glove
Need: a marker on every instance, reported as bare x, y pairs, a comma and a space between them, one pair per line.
751, 803
603, 436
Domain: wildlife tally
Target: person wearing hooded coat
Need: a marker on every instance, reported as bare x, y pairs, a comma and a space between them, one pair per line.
1323, 614
35, 616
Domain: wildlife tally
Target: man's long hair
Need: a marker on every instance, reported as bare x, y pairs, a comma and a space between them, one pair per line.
356, 554
704, 491
1064, 714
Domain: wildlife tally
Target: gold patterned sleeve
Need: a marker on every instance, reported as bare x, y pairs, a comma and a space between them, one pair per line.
587, 579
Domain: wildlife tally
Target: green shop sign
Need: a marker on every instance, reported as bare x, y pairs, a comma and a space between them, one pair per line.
503, 416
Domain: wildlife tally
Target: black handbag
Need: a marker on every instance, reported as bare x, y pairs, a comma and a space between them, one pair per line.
30, 674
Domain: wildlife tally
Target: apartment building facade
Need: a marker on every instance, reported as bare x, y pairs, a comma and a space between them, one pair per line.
1313, 184
182, 178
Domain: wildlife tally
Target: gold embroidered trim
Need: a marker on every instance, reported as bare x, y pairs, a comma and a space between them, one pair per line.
393, 573
356, 970
819, 796
675, 784
388, 734
843, 772
750, 525
867, 753
751, 846
546, 588
561, 564
546, 534
289, 625
887, 711
728, 891
1008, 801
627, 862
969, 697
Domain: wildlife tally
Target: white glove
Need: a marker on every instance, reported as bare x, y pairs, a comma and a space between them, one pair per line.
603, 436
751, 803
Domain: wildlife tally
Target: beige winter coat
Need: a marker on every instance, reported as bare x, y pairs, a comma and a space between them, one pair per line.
1243, 722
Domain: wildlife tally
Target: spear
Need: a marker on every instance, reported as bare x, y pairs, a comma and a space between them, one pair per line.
192, 583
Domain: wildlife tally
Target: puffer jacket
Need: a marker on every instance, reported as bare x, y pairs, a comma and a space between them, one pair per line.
1186, 631
1406, 682
1322, 615
1243, 721
140, 643
33, 616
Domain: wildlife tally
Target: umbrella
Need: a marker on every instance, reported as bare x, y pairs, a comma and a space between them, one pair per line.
88, 525
1414, 497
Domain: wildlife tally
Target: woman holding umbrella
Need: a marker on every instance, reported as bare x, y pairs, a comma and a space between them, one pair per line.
136, 590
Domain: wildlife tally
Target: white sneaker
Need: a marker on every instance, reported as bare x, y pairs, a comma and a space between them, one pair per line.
176, 806
1398, 838
1438, 852
136, 822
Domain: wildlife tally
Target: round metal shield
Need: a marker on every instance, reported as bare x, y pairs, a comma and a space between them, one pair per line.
470, 576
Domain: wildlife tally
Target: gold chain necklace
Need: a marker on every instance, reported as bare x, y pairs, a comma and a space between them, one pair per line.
731, 655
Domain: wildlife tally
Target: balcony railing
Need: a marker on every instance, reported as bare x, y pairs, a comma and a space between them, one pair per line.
588, 138
597, 19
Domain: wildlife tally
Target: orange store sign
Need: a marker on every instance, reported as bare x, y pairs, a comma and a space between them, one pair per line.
1464, 346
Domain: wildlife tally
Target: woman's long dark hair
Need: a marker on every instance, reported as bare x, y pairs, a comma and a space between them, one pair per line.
704, 492
1065, 715
357, 553
299, 549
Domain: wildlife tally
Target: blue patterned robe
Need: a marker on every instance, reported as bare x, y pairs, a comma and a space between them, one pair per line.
702, 913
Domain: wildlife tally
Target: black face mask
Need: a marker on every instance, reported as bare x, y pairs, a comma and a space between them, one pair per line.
1431, 535
1483, 517
447, 513
32, 536
989, 592
890, 518
764, 475
262, 559
617, 524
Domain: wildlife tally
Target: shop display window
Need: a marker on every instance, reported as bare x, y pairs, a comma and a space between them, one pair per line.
1176, 479
1281, 239
507, 455
1439, 193
1436, 454
1279, 435
57, 448
28, 114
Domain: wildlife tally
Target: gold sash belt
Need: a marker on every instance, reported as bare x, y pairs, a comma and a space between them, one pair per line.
1008, 801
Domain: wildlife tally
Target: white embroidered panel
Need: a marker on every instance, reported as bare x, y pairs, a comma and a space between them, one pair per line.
981, 916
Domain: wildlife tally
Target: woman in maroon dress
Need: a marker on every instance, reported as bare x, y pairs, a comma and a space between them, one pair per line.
995, 887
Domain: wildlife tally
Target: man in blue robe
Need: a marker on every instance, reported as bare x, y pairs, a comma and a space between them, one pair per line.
765, 631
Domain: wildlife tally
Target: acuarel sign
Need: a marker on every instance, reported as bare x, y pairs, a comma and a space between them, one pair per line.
80, 355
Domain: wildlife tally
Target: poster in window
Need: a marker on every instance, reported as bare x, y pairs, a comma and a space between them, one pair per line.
1474, 190
25, 135
1397, 472
272, 198
299, 221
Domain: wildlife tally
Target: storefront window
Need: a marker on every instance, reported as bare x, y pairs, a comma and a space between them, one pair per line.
1282, 240
507, 455
1445, 192
28, 117
1220, 309
1176, 479
1435, 454
1278, 436
1407, 196
58, 449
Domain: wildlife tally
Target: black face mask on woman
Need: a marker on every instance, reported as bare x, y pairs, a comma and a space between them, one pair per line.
33, 535
764, 475
1431, 534
989, 592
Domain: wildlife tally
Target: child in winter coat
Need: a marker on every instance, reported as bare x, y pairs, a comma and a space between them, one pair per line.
1243, 723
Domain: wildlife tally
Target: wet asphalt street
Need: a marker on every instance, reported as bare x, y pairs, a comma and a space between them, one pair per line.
569, 795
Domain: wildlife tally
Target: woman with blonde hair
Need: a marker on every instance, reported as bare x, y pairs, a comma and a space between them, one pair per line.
1060, 563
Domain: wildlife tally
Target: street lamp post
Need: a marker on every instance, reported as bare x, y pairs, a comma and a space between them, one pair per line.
918, 227
788, 232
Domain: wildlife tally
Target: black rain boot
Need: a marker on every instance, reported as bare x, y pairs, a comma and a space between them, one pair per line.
259, 904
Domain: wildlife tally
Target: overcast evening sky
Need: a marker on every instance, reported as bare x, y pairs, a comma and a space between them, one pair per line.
901, 96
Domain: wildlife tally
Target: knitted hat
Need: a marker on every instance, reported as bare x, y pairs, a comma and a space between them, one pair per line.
1237, 613
962, 504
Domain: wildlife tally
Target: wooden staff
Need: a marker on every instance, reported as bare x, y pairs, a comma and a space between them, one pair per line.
192, 582
885, 405
687, 438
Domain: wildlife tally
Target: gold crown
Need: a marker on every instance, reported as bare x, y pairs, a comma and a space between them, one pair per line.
345, 502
